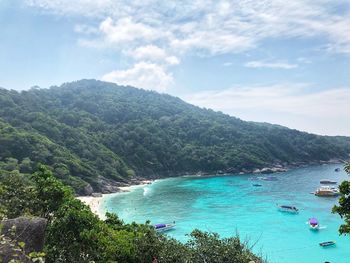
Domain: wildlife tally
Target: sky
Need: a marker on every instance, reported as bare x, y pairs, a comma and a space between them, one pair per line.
276, 61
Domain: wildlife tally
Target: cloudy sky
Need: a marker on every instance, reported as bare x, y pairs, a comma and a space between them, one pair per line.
277, 61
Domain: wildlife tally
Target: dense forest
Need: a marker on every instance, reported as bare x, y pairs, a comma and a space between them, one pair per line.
91, 133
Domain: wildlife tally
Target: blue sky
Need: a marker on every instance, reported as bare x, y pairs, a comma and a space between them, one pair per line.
283, 62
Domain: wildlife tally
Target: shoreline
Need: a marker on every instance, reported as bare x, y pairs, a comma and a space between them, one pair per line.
95, 202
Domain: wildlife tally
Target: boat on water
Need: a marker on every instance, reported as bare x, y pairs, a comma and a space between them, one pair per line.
288, 208
164, 227
327, 243
337, 169
327, 191
327, 181
257, 185
313, 223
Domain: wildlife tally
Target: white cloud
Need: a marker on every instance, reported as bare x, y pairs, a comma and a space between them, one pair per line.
125, 30
148, 52
212, 27
91, 8
214, 42
296, 106
172, 60
142, 75
153, 53
276, 65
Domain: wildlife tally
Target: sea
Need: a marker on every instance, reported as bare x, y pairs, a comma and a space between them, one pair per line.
230, 205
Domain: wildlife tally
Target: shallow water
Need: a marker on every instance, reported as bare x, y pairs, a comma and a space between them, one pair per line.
230, 204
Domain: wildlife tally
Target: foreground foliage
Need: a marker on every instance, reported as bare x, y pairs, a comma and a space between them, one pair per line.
343, 209
75, 234
89, 130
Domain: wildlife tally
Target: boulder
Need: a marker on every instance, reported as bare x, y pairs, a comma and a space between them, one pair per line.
87, 190
266, 170
107, 186
30, 231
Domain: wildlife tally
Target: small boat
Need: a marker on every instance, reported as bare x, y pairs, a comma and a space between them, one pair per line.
327, 191
327, 181
337, 169
327, 243
164, 227
288, 208
313, 224
257, 185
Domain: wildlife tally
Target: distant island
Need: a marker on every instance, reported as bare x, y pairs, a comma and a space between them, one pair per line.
97, 136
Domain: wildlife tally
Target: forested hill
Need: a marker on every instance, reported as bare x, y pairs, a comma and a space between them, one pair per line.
93, 132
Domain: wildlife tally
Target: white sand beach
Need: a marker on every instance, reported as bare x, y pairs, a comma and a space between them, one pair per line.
95, 203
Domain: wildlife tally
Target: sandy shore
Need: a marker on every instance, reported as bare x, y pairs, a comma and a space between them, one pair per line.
95, 203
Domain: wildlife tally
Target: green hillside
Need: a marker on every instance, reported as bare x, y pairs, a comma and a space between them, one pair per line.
91, 132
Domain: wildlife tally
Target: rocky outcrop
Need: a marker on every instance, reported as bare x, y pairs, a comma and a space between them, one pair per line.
30, 231
88, 190
96, 195
108, 186
268, 170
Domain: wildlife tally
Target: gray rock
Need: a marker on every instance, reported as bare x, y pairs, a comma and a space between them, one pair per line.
108, 186
88, 190
31, 231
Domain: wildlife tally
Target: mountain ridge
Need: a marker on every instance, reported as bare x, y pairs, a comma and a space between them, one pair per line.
93, 133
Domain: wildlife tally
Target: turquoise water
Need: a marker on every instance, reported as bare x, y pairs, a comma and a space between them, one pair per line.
230, 204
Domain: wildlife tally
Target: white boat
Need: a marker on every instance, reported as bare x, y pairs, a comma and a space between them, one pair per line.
327, 243
313, 224
327, 181
288, 208
327, 191
164, 227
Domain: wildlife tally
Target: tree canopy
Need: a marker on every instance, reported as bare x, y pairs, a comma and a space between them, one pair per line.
343, 209
90, 131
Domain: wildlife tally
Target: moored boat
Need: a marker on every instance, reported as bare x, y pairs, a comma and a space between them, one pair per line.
327, 243
327, 191
327, 181
288, 208
164, 227
257, 185
313, 223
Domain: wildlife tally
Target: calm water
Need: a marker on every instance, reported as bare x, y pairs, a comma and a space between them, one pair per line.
229, 204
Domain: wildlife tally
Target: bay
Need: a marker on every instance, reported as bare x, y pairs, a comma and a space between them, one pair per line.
231, 204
